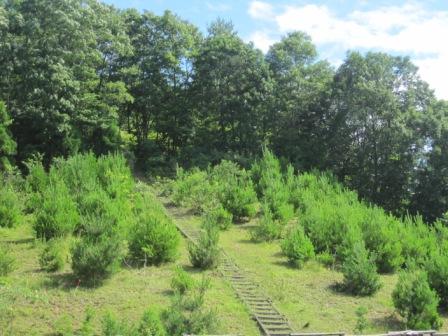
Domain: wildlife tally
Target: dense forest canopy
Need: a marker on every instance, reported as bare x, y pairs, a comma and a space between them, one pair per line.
79, 75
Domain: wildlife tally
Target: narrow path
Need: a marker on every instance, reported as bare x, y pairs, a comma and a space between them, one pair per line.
269, 319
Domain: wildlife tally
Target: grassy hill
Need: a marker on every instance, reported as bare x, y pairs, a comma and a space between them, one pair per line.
305, 296
33, 302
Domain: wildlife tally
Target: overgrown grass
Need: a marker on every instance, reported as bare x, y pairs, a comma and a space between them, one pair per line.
309, 297
33, 302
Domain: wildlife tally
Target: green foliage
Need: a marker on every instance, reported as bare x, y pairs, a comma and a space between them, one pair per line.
187, 313
332, 226
205, 253
87, 328
7, 144
272, 187
115, 176
361, 321
98, 253
154, 238
360, 275
231, 83
54, 255
326, 259
193, 189
437, 269
10, 206
268, 228
415, 301
7, 261
419, 240
376, 145
67, 92
37, 179
297, 247
63, 326
234, 189
181, 281
301, 90
151, 324
111, 326
219, 216
82, 82
382, 235
57, 214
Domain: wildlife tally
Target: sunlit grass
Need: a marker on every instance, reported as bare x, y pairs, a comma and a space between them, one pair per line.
33, 302
307, 296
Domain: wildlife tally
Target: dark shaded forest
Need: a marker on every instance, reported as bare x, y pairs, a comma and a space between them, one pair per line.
79, 76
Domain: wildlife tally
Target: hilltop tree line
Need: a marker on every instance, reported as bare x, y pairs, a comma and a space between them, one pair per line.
79, 75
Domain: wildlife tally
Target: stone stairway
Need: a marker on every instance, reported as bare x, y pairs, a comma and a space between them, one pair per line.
269, 319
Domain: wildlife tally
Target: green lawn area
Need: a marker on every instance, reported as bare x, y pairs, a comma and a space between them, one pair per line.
306, 296
33, 302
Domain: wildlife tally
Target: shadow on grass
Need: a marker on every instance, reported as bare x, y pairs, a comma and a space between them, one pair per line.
68, 282
286, 264
338, 289
20, 241
64, 281
389, 322
248, 241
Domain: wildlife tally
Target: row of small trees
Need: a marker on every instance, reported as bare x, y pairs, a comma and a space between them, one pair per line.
89, 211
315, 217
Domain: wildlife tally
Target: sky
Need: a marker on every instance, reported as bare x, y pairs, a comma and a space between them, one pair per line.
418, 29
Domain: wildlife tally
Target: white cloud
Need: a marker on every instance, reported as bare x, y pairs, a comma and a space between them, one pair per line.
408, 29
261, 10
218, 7
435, 71
261, 40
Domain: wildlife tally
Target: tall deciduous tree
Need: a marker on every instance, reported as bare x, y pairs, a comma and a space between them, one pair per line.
431, 193
7, 144
300, 100
231, 87
377, 133
53, 74
161, 78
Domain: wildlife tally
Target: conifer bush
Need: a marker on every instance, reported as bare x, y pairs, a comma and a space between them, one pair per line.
415, 301
219, 216
37, 179
437, 269
419, 241
115, 176
181, 281
333, 228
150, 324
235, 189
112, 326
54, 255
57, 214
268, 229
381, 234
187, 314
7, 261
205, 253
154, 238
193, 189
297, 247
10, 206
360, 274
98, 253
80, 174
271, 186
